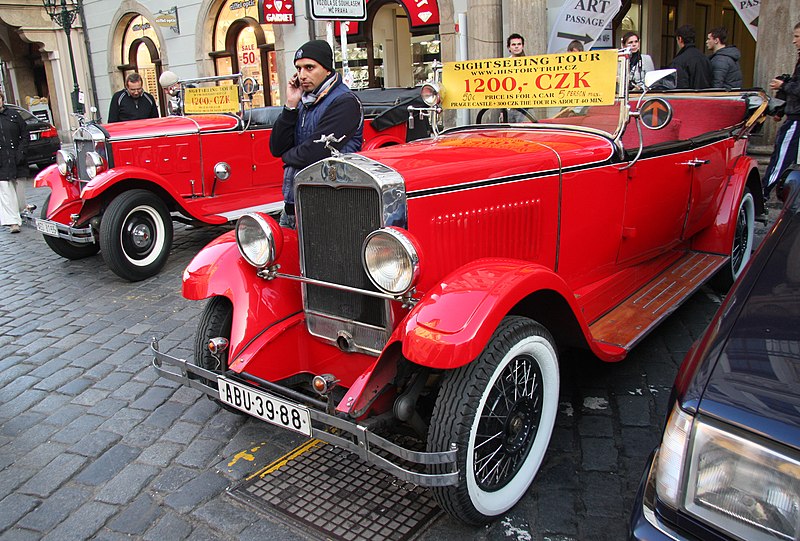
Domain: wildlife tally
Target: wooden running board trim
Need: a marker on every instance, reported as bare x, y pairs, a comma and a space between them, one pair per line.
628, 323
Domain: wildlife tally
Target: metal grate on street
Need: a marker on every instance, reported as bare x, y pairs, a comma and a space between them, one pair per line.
331, 493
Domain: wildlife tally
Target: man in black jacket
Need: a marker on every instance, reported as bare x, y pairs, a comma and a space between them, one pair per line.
694, 69
132, 102
725, 70
787, 142
317, 104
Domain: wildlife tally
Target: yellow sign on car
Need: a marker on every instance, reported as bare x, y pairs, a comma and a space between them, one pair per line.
550, 80
211, 99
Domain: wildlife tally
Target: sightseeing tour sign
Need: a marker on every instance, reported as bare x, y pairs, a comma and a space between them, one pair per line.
550, 80
211, 99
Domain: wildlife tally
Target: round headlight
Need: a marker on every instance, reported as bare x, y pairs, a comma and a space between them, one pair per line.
391, 260
259, 238
65, 162
94, 164
430, 94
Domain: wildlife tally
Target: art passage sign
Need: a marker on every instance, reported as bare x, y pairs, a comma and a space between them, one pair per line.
551, 80
211, 99
581, 20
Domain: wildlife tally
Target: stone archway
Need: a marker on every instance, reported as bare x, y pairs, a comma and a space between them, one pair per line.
128, 10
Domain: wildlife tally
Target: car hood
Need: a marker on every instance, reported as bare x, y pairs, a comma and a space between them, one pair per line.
471, 155
171, 125
755, 382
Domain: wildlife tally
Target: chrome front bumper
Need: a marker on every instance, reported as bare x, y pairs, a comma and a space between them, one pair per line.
76, 235
348, 434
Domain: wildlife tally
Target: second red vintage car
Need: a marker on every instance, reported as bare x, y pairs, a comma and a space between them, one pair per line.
417, 314
121, 188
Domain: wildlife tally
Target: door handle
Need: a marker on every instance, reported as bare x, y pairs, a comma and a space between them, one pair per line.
694, 162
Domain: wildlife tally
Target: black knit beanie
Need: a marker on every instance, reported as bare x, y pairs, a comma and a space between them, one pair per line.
317, 50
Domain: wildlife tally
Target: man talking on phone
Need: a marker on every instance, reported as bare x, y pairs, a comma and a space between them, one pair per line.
317, 104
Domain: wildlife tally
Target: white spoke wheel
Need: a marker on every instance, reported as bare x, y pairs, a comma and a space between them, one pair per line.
500, 411
742, 245
136, 235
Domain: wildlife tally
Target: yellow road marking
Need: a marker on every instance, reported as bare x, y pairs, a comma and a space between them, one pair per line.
294, 453
244, 455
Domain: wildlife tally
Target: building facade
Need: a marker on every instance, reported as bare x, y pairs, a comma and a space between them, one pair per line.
395, 46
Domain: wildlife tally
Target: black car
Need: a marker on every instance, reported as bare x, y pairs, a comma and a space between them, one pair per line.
44, 139
728, 466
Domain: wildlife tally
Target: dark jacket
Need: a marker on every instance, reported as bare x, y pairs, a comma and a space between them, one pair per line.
694, 69
294, 134
725, 69
14, 141
790, 91
124, 107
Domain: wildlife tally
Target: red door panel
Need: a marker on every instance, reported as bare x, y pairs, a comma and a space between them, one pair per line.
655, 206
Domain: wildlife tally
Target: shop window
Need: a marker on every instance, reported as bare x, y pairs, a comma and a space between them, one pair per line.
388, 52
669, 18
241, 45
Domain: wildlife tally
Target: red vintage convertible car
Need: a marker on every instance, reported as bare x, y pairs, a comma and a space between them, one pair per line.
429, 287
125, 183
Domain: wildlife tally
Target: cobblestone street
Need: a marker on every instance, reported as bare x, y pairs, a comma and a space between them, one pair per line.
93, 445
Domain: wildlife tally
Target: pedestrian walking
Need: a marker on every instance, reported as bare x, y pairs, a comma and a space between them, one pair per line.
317, 104
14, 140
725, 70
787, 142
639, 63
132, 102
693, 67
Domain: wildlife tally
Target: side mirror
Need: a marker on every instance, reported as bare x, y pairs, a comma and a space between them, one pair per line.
250, 86
653, 77
655, 113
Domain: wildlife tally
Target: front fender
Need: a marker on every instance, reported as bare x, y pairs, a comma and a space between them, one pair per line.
453, 322
392, 136
65, 197
219, 270
106, 179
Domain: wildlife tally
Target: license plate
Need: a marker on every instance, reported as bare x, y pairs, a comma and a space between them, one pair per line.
34, 137
269, 408
47, 227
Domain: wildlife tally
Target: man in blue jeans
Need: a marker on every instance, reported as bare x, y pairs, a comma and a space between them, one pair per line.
317, 104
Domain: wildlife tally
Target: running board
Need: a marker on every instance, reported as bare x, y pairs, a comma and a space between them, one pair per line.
629, 322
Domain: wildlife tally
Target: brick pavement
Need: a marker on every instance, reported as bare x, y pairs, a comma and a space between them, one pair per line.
94, 445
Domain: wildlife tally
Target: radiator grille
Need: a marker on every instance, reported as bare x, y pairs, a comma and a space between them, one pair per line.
334, 224
81, 148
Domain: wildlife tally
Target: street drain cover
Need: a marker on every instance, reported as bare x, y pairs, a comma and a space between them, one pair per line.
336, 495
